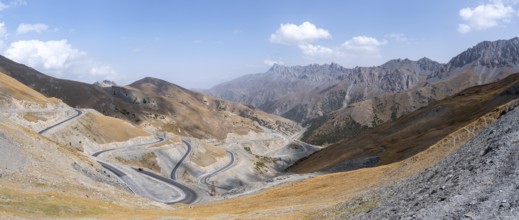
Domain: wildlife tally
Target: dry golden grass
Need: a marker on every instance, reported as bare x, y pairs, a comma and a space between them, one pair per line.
32, 117
295, 200
108, 129
206, 154
301, 199
10, 87
148, 160
33, 204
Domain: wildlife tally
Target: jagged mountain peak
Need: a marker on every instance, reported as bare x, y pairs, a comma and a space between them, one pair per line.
105, 83
425, 60
499, 53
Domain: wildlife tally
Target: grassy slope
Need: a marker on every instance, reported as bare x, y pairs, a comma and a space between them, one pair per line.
289, 201
294, 200
10, 87
413, 133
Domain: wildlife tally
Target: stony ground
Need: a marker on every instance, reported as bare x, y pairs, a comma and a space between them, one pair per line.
478, 181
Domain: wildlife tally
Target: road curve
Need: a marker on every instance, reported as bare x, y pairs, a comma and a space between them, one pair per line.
134, 187
79, 112
190, 195
174, 171
205, 178
136, 145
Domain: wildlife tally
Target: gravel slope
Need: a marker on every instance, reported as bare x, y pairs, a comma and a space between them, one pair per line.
478, 181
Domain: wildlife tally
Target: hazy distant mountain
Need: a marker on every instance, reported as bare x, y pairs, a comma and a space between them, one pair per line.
484, 63
339, 102
306, 92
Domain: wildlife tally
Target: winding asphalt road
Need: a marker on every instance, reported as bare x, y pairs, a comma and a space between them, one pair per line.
190, 196
79, 112
134, 187
174, 171
117, 148
205, 178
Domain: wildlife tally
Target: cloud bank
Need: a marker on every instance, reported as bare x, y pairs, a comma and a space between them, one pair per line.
292, 34
359, 50
26, 28
58, 58
485, 16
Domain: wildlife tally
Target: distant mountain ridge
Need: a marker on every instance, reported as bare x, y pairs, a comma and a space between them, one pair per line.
338, 102
262, 90
297, 92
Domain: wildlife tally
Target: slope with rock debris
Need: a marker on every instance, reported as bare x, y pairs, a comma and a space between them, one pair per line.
478, 181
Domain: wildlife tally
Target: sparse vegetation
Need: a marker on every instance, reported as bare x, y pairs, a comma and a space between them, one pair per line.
247, 148
147, 160
394, 110
344, 130
260, 166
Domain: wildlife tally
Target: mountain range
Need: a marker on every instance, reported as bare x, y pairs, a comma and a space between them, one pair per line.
337, 102
406, 139
154, 104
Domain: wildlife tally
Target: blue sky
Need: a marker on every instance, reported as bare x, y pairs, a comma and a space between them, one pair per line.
198, 44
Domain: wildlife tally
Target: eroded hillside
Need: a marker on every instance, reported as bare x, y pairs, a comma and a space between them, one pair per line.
412, 133
155, 105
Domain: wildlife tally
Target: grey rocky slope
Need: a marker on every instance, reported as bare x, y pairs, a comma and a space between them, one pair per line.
306, 93
480, 180
484, 63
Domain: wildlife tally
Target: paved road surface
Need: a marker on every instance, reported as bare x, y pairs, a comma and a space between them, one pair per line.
205, 178
79, 112
134, 187
174, 171
190, 196
137, 145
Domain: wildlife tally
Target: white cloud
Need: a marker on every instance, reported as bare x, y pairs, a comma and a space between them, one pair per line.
58, 58
363, 43
316, 50
292, 34
3, 6
3, 30
271, 62
400, 37
102, 71
464, 28
26, 28
13, 3
3, 34
359, 50
485, 16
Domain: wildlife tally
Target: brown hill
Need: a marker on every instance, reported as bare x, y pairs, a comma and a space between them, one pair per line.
415, 132
11, 88
153, 104
364, 115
